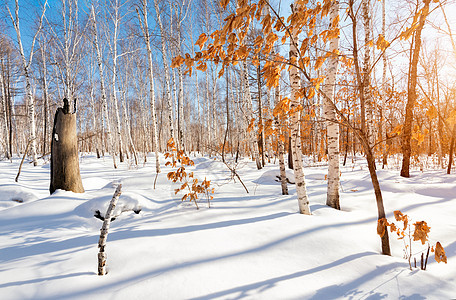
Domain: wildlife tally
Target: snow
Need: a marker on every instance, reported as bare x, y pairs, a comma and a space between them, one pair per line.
252, 246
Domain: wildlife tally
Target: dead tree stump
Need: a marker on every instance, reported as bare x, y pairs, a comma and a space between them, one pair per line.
65, 173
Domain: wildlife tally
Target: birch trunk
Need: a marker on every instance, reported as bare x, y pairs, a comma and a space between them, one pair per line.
295, 83
26, 71
145, 28
104, 231
4, 112
260, 115
45, 97
332, 125
104, 101
169, 100
208, 118
366, 74
280, 147
383, 123
249, 116
114, 81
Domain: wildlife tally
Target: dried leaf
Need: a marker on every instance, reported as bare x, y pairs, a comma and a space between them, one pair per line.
421, 232
381, 226
440, 253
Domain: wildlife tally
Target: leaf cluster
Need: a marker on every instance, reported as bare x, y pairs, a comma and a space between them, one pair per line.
190, 184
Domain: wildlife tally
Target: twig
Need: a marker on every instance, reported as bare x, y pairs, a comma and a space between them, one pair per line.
22, 161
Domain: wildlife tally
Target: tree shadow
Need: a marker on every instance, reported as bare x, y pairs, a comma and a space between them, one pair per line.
243, 291
22, 282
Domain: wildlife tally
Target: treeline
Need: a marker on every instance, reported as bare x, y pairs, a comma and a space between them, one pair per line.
116, 58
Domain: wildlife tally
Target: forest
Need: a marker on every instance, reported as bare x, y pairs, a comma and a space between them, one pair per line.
290, 141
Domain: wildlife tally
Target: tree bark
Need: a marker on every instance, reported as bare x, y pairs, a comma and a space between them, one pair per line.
411, 95
145, 27
104, 231
332, 124
104, 100
169, 100
450, 161
64, 153
295, 107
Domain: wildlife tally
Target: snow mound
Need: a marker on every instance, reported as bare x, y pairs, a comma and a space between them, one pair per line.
272, 177
128, 201
13, 194
93, 183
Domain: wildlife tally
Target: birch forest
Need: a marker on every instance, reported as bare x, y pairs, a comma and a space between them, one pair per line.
288, 134
370, 78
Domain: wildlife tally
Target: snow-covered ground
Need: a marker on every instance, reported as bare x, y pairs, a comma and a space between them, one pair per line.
253, 246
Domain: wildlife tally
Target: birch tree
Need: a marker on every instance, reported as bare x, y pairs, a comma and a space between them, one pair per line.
26, 64
142, 16
295, 83
104, 100
169, 100
116, 19
332, 124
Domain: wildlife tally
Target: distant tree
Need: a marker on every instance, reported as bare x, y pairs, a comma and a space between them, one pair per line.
26, 64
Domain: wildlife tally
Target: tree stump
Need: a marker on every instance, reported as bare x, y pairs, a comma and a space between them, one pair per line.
64, 152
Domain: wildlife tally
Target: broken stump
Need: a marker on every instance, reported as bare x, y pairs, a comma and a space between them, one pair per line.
65, 173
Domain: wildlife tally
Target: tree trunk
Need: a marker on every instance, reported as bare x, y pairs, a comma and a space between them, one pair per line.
64, 152
368, 103
332, 125
379, 199
363, 133
169, 100
450, 161
260, 115
145, 28
104, 231
104, 100
411, 97
295, 82
280, 147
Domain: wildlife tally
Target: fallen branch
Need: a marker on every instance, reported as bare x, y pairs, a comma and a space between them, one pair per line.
104, 231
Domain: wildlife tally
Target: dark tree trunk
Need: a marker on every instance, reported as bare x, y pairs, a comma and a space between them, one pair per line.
450, 162
411, 98
64, 153
290, 157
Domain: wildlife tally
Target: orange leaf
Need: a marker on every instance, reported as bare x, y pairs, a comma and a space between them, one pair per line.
440, 253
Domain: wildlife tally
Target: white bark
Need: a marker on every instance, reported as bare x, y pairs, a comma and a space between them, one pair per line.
104, 231
169, 101
280, 148
295, 82
366, 73
104, 101
383, 123
26, 69
208, 117
4, 116
332, 126
249, 115
114, 89
145, 28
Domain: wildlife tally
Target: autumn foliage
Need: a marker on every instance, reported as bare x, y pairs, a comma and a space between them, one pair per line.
191, 185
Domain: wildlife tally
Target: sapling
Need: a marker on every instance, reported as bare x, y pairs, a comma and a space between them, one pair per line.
420, 233
188, 180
